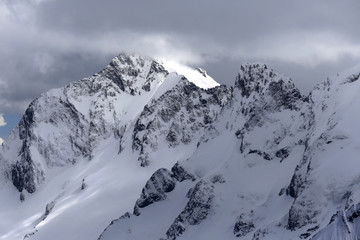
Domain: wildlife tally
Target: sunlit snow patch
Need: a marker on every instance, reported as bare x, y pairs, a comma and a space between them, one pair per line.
197, 76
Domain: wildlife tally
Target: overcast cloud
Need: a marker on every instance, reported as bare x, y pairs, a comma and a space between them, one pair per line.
2, 121
48, 43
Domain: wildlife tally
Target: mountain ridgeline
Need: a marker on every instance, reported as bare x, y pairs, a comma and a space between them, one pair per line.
146, 149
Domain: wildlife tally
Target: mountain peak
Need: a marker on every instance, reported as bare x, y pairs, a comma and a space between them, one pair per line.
258, 79
254, 77
132, 72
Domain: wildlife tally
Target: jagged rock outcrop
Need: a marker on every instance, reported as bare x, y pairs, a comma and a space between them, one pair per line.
266, 98
242, 227
256, 80
156, 190
160, 183
178, 117
265, 91
133, 74
196, 210
65, 125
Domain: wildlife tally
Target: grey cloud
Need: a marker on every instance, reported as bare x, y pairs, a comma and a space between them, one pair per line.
48, 43
230, 20
25, 80
2, 120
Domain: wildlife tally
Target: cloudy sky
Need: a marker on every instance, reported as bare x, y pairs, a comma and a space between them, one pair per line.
48, 43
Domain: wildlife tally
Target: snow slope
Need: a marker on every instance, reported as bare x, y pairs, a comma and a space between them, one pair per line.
239, 167
276, 166
149, 149
83, 133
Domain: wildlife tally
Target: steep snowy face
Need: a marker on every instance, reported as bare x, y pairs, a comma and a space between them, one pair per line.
245, 158
51, 133
268, 112
326, 179
274, 90
343, 225
65, 125
180, 117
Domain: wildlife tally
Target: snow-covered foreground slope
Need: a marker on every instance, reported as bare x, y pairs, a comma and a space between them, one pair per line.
161, 151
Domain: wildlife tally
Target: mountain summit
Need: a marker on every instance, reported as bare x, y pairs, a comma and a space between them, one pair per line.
150, 149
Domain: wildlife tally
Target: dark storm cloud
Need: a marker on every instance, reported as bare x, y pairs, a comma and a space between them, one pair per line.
48, 43
31, 75
233, 20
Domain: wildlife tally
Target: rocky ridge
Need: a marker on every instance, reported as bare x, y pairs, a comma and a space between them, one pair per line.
254, 161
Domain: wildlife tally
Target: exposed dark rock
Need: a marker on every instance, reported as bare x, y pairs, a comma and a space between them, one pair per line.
196, 210
309, 232
299, 214
295, 184
305, 235
28, 235
27, 121
120, 134
242, 227
124, 216
240, 135
265, 155
49, 207
217, 178
172, 136
83, 184
352, 78
282, 191
250, 77
189, 88
155, 189
354, 215
260, 234
22, 197
294, 220
285, 95
179, 173
282, 153
160, 183
24, 174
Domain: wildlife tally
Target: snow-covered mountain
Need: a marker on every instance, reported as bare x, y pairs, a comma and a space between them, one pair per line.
150, 149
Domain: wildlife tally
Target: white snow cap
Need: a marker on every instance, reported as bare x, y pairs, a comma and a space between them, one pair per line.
197, 76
